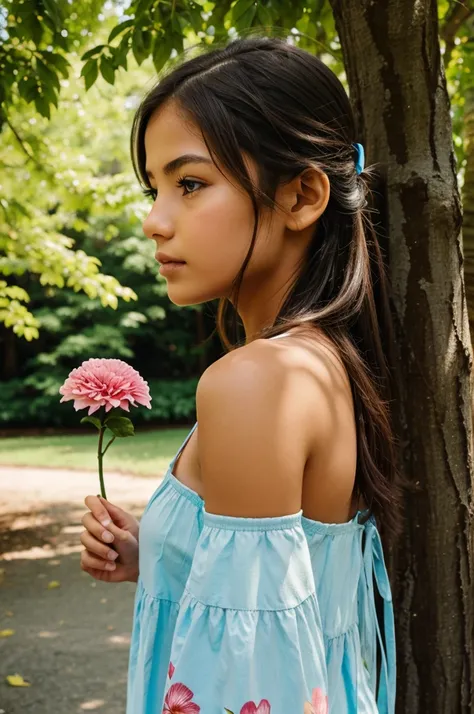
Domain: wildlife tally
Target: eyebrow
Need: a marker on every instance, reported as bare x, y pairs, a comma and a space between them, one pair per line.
176, 164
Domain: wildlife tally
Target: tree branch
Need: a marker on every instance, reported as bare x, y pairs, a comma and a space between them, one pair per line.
457, 14
22, 143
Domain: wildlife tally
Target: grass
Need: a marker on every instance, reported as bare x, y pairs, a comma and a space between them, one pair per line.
148, 453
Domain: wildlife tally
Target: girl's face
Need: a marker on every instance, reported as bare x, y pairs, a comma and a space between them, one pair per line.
201, 217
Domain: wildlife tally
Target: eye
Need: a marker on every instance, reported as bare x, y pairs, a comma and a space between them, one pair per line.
187, 185
150, 193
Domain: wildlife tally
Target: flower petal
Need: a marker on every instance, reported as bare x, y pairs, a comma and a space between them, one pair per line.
249, 708
107, 383
178, 696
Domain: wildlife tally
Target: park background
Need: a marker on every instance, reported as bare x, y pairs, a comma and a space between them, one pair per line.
79, 280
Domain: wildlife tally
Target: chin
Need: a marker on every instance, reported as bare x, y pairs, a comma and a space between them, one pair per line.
183, 298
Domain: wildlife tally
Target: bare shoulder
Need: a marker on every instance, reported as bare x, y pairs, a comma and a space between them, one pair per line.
256, 411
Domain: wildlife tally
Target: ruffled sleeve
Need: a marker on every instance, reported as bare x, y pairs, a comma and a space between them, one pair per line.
248, 638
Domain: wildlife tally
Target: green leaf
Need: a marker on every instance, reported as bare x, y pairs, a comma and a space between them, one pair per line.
241, 7
107, 70
120, 426
47, 75
92, 420
28, 88
161, 52
120, 28
42, 106
49, 94
90, 72
52, 8
265, 17
60, 41
94, 51
57, 61
142, 7
120, 53
227, 711
247, 18
32, 28
138, 47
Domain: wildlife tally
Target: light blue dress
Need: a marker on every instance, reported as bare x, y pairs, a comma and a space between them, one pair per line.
257, 615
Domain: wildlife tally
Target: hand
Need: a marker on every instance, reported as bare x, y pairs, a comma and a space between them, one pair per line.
110, 541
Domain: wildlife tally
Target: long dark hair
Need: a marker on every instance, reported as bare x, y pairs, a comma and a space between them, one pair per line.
288, 111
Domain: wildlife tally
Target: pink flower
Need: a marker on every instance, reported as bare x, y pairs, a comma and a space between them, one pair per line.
319, 703
171, 669
178, 701
251, 708
105, 383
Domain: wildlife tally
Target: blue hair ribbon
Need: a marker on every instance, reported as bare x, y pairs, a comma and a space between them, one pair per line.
360, 159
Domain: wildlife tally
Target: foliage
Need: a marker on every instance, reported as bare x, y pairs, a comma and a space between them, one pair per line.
457, 36
34, 400
39, 45
66, 189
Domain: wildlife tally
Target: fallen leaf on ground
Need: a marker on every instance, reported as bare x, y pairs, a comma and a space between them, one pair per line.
16, 680
7, 633
54, 584
8, 613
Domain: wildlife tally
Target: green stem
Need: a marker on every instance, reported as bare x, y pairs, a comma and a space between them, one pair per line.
100, 457
110, 442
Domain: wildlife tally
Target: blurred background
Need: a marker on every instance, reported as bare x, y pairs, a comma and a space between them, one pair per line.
78, 279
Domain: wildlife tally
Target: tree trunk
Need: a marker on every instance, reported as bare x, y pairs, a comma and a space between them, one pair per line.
468, 202
397, 85
9, 362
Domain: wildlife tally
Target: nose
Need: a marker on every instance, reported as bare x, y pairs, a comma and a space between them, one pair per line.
158, 224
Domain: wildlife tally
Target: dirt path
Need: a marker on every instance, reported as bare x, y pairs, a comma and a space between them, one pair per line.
71, 634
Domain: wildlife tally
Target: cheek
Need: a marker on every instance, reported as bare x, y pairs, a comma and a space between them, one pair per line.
214, 239
222, 227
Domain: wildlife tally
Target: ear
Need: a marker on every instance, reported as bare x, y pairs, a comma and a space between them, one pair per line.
304, 198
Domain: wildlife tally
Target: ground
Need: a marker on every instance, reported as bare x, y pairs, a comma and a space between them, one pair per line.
71, 633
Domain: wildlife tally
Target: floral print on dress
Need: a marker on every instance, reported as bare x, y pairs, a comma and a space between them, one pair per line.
318, 704
178, 698
252, 708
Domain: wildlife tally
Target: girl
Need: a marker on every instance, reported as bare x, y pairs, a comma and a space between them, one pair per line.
259, 559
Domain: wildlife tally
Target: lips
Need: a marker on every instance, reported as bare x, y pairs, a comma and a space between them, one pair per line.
163, 259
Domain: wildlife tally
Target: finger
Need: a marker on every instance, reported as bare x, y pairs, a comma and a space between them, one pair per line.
116, 512
97, 574
98, 510
89, 560
98, 531
95, 546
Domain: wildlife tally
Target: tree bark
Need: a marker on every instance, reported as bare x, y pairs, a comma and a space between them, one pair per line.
468, 202
398, 89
